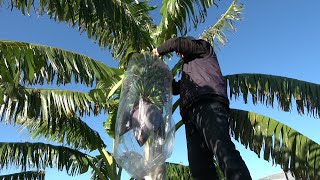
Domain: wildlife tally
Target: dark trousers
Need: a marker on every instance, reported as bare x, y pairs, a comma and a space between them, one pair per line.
207, 132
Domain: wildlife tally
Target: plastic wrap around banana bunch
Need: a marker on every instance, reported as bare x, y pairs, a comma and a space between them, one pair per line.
144, 127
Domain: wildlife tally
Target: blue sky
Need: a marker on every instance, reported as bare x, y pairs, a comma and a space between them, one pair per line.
274, 37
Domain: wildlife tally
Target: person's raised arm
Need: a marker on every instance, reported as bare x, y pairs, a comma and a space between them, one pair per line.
181, 45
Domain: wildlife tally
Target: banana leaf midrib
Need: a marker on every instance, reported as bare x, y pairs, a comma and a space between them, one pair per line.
74, 151
91, 20
271, 75
221, 19
31, 89
296, 153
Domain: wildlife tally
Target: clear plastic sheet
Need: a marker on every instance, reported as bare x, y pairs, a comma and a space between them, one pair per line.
144, 127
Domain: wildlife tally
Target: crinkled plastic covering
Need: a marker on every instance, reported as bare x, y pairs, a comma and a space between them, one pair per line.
144, 127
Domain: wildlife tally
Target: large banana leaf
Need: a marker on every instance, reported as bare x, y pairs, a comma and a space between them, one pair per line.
265, 88
110, 23
69, 131
36, 64
281, 144
176, 14
40, 156
225, 23
28, 175
48, 104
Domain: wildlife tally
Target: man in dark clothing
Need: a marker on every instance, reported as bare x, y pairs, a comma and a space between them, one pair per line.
204, 109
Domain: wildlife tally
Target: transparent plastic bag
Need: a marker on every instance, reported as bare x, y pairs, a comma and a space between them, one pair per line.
144, 127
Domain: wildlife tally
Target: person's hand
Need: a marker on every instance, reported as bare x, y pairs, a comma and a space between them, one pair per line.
180, 55
155, 52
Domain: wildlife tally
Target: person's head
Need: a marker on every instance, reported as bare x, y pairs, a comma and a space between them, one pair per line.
190, 38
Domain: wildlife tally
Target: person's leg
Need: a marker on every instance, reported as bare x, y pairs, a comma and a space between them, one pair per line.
200, 158
212, 122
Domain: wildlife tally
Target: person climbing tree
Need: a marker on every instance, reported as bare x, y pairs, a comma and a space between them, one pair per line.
204, 109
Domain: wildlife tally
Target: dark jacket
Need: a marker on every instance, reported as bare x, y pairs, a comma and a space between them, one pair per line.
201, 75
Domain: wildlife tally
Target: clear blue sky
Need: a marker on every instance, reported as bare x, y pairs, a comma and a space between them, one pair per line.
274, 37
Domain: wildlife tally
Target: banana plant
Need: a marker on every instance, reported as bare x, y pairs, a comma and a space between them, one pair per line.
125, 27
